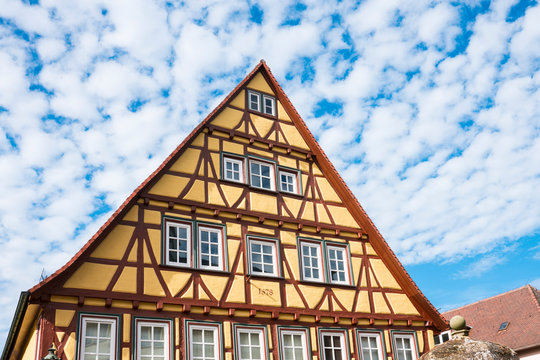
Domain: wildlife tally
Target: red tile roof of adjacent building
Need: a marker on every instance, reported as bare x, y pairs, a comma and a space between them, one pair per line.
519, 307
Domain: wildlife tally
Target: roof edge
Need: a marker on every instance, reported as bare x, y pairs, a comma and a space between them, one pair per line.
131, 199
358, 212
16, 324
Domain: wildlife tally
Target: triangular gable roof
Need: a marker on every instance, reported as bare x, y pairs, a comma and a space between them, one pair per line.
519, 307
358, 213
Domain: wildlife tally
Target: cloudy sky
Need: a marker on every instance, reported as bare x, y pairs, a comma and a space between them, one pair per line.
429, 109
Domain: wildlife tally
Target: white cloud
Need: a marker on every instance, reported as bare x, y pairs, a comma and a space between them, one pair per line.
440, 150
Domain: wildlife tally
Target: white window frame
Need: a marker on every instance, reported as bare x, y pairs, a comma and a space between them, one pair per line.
273, 106
258, 96
346, 265
275, 256
439, 339
166, 325
290, 175
271, 176
110, 320
188, 227
215, 328
320, 260
221, 260
261, 102
305, 345
251, 330
343, 344
413, 350
241, 165
370, 335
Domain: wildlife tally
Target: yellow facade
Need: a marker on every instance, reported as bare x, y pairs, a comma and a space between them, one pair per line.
126, 271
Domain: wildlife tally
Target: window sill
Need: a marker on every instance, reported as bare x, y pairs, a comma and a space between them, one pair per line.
312, 282
193, 269
259, 113
263, 276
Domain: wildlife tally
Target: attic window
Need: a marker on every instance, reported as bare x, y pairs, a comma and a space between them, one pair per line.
263, 103
504, 326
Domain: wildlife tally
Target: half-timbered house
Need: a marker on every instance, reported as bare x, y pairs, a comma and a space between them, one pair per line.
244, 244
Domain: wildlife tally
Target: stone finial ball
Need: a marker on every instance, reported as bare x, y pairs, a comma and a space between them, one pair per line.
457, 323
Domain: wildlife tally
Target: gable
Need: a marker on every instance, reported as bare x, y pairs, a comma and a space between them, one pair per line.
191, 190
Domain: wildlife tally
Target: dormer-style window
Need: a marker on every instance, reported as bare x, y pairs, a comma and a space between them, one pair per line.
263, 103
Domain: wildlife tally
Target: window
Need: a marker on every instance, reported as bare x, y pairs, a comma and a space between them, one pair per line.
503, 326
251, 343
204, 342
404, 346
209, 244
263, 258
311, 255
178, 243
233, 169
210, 248
370, 345
153, 339
288, 181
269, 105
293, 344
338, 270
338, 267
333, 346
261, 175
254, 100
97, 339
263, 103
442, 337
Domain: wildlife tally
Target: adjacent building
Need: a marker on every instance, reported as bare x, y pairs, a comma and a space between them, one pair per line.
511, 319
244, 244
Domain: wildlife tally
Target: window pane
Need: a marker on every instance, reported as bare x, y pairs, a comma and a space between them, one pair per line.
159, 348
254, 339
288, 354
197, 335
197, 350
104, 346
183, 245
209, 350
146, 348
91, 329
244, 352
90, 345
182, 233
159, 333
297, 340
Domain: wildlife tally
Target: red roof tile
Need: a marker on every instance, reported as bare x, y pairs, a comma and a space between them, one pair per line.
520, 307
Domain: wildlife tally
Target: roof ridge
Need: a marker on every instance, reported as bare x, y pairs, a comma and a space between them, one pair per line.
488, 298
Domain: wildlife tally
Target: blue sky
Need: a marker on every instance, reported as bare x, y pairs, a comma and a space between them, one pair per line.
430, 110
